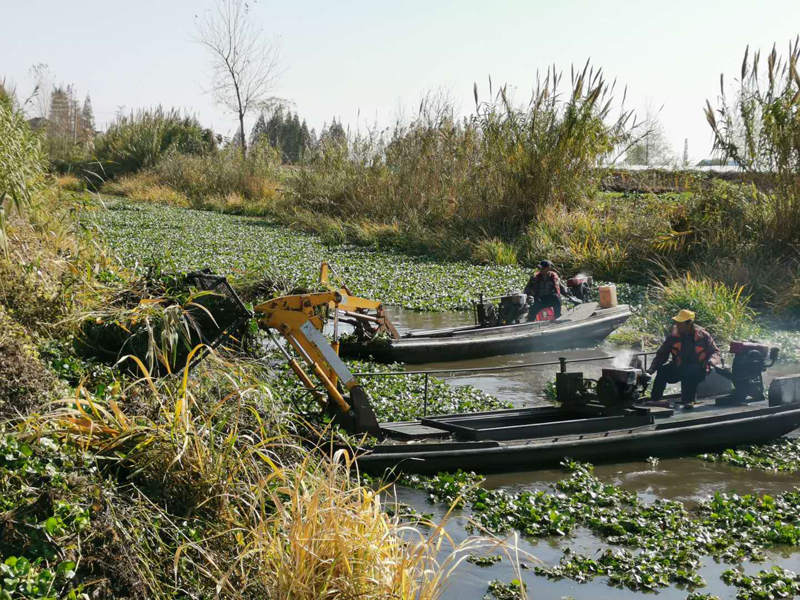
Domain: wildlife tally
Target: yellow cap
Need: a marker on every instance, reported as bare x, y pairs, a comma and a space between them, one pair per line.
684, 315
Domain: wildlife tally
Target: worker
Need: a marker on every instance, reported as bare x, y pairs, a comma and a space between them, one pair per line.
545, 289
693, 353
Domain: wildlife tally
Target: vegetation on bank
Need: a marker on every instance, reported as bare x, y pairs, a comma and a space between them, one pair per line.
114, 484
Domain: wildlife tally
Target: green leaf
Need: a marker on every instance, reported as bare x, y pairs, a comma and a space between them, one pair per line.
51, 525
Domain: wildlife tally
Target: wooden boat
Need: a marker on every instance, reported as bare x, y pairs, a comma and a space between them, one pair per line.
585, 325
533, 438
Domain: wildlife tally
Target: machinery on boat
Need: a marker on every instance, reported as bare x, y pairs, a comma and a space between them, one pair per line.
513, 308
750, 361
596, 420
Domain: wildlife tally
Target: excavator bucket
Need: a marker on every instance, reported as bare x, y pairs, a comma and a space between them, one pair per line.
360, 418
222, 310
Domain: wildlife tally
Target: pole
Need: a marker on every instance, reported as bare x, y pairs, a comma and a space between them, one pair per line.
425, 407
563, 361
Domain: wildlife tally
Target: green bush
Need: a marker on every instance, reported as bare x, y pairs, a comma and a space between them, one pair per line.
721, 310
140, 140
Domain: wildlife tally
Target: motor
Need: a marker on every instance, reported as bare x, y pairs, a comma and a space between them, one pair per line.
750, 361
579, 286
614, 390
621, 387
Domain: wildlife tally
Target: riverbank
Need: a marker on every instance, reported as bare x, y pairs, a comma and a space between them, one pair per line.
116, 484
101, 449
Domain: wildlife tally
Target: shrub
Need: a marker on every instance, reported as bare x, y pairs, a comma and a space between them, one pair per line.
21, 166
720, 309
138, 141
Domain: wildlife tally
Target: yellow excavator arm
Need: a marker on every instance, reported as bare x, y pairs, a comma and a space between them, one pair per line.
300, 319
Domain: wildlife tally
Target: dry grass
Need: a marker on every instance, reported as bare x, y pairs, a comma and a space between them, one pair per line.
69, 183
146, 187
286, 523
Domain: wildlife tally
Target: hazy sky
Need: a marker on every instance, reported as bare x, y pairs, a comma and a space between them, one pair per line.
347, 58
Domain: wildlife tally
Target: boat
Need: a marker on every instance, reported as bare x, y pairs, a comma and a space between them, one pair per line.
582, 326
605, 425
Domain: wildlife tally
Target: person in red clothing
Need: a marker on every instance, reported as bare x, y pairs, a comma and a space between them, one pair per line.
545, 288
693, 353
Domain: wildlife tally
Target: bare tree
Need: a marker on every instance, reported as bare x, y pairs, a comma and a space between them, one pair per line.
651, 147
244, 63
38, 103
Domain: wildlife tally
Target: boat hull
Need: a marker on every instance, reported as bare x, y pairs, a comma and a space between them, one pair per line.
470, 342
704, 432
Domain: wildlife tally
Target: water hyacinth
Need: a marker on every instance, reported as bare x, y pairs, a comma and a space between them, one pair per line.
242, 246
399, 398
782, 456
658, 543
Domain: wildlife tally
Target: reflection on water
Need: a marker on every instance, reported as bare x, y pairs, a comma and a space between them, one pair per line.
687, 480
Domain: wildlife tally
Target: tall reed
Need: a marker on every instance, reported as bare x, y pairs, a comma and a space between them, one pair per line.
493, 171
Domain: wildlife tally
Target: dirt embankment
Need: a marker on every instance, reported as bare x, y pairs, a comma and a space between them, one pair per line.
661, 181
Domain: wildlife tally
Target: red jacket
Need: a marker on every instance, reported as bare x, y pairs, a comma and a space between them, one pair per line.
539, 285
704, 347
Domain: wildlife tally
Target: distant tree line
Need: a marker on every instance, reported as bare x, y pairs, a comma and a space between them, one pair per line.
289, 135
70, 127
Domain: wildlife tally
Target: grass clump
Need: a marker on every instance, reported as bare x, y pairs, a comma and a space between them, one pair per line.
21, 166
723, 311
495, 252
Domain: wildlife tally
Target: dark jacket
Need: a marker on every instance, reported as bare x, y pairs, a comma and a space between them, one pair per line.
705, 349
539, 285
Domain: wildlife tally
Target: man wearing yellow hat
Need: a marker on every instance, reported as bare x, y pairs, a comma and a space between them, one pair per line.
693, 352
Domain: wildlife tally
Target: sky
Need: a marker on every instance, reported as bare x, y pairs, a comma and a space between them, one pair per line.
363, 62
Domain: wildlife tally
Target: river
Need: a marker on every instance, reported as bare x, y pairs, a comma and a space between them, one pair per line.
688, 480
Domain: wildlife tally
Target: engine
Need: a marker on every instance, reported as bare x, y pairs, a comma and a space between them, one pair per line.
579, 286
750, 360
615, 390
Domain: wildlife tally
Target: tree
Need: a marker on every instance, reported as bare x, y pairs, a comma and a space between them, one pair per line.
333, 135
244, 65
652, 147
685, 162
60, 122
87, 124
259, 131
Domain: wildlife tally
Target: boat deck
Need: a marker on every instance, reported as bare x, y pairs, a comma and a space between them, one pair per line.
550, 424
